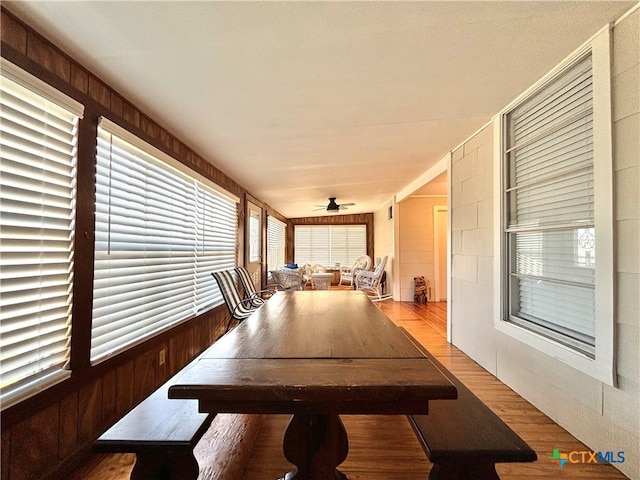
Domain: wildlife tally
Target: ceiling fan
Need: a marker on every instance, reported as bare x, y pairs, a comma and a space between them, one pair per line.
333, 206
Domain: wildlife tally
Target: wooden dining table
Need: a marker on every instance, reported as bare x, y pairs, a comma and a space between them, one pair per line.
314, 355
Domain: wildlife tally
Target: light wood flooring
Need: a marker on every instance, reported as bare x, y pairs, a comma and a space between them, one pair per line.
384, 447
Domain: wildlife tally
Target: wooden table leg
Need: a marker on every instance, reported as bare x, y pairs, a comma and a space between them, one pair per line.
316, 445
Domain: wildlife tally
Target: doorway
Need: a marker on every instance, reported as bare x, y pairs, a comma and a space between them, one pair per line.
440, 228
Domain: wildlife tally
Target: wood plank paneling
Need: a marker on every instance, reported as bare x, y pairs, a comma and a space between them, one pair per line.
117, 104
124, 387
34, 445
89, 410
365, 218
144, 375
131, 115
149, 127
79, 78
179, 348
14, 34
6, 448
99, 92
68, 431
48, 57
109, 398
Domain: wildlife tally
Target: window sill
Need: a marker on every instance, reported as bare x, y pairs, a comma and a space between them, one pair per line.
601, 369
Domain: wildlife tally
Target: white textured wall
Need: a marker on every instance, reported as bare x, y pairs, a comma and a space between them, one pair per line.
603, 417
472, 249
416, 242
383, 233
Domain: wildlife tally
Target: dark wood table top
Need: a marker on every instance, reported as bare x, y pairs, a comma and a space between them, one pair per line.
315, 324
314, 352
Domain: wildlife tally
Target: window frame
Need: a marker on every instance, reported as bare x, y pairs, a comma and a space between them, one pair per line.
602, 366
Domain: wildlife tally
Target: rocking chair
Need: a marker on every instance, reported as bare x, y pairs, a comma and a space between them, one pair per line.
348, 274
371, 282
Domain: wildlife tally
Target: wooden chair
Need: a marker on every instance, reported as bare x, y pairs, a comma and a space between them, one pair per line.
257, 296
239, 308
348, 274
371, 282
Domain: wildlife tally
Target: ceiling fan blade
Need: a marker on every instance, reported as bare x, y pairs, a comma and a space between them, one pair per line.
347, 205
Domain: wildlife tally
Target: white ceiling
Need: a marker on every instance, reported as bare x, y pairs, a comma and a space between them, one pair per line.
300, 101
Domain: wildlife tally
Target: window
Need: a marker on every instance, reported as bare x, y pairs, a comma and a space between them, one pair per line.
330, 244
276, 238
160, 232
37, 215
254, 236
556, 225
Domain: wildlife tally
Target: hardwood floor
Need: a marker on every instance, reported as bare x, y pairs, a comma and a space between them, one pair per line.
384, 447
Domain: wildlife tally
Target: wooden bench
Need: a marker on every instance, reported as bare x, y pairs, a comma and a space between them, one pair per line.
463, 438
162, 432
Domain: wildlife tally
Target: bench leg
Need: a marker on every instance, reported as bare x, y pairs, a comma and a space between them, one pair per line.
463, 471
165, 466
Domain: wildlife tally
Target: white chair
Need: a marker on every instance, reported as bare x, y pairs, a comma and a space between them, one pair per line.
371, 282
307, 271
348, 274
288, 279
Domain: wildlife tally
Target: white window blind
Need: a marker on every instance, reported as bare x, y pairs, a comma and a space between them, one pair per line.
160, 232
550, 209
38, 142
276, 241
330, 244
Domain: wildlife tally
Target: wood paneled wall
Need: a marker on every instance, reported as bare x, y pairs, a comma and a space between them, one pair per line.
358, 218
46, 435
48, 440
